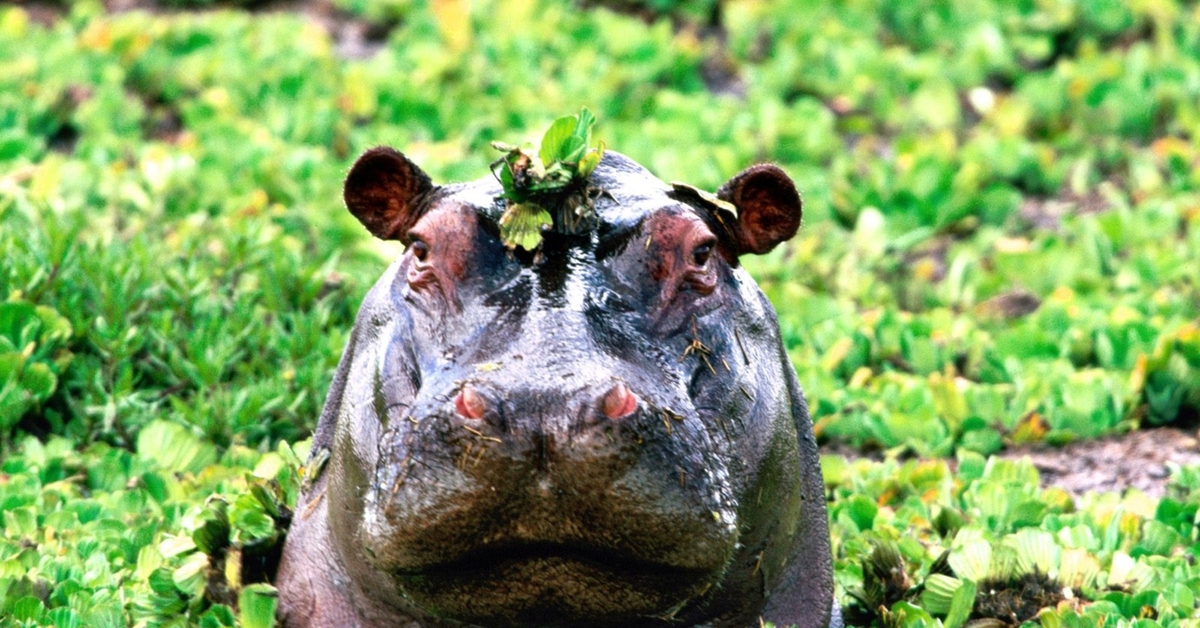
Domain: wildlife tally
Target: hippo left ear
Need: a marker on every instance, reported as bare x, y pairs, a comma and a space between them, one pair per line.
385, 192
768, 205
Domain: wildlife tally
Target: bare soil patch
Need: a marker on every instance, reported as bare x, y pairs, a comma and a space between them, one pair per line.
1113, 463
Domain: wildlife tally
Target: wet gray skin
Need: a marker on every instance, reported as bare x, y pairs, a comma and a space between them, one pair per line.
604, 433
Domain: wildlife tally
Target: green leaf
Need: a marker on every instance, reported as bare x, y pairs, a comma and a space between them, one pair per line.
39, 381
908, 615
15, 319
587, 165
1005, 563
583, 130
938, 596
174, 448
961, 605
1124, 571
14, 402
218, 616
973, 561
555, 138
11, 365
506, 178
65, 617
148, 561
862, 511
191, 576
1157, 538
521, 226
948, 521
20, 523
162, 583
55, 327
1078, 568
289, 454
257, 606
156, 486
28, 608
266, 498
572, 150
249, 519
213, 535
1036, 550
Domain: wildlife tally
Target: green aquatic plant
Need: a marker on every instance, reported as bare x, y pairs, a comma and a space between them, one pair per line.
549, 189
33, 354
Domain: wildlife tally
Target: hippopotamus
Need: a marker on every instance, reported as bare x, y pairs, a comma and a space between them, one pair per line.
605, 431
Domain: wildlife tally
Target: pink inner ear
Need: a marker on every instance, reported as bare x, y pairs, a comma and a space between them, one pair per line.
767, 224
383, 190
769, 207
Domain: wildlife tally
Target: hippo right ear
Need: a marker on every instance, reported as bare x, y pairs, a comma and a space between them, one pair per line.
385, 191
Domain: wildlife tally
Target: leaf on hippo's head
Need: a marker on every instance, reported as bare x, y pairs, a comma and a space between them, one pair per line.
688, 193
556, 137
587, 165
521, 225
550, 188
568, 139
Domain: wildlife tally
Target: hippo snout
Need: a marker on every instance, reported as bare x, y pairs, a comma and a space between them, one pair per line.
500, 485
579, 469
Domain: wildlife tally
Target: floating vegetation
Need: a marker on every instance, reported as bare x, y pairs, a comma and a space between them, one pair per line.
549, 189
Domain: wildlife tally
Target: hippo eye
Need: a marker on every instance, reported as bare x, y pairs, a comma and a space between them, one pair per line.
420, 250
701, 254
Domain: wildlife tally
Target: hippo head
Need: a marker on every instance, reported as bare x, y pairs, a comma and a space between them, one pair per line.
603, 432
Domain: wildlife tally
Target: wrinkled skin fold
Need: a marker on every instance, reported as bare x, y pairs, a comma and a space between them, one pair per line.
604, 433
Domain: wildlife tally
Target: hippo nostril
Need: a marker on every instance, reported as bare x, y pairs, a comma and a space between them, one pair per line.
619, 402
469, 403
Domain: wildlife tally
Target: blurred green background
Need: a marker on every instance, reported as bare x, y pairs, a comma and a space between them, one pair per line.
1001, 245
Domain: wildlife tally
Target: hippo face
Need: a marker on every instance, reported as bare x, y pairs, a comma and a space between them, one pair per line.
604, 432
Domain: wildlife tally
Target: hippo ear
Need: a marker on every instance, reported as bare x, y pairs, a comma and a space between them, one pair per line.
768, 207
384, 191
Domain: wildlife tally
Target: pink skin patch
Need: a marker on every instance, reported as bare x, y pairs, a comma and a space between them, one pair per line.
682, 254
441, 245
